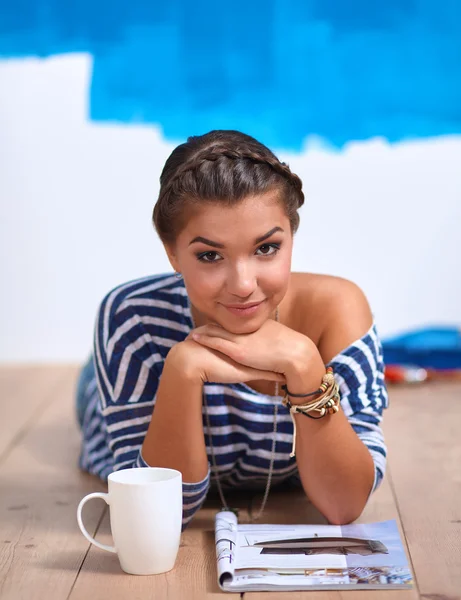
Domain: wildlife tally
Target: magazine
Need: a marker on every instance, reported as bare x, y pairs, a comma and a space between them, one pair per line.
315, 557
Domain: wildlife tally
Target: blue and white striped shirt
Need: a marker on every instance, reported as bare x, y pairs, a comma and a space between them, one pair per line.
137, 324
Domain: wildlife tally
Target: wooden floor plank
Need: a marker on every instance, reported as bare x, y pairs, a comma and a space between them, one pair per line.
294, 508
193, 577
41, 547
423, 430
24, 392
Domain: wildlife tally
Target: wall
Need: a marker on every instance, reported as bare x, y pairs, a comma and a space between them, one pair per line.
77, 186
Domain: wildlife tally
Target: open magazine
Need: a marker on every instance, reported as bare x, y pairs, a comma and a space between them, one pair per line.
314, 557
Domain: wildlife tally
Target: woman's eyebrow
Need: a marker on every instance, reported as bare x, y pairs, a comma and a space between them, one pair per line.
268, 234
218, 245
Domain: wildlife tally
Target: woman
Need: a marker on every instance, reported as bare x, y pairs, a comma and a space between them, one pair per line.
187, 367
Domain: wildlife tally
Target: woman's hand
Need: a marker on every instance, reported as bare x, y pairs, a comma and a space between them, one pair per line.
273, 347
198, 362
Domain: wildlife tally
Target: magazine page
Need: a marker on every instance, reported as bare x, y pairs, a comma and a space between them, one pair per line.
226, 541
362, 556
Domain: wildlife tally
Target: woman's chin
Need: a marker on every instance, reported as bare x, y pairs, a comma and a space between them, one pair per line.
238, 327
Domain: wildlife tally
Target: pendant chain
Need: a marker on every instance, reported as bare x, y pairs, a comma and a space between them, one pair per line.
272, 459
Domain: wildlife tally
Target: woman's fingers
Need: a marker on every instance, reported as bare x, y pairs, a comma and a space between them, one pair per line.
249, 373
218, 343
269, 375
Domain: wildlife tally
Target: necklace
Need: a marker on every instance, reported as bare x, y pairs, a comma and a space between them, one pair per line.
272, 459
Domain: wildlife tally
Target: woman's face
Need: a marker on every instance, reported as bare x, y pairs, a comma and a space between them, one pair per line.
234, 257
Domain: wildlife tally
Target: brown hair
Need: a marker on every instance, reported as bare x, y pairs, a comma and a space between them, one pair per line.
221, 166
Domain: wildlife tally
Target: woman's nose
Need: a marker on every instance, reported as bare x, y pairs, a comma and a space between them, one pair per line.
242, 281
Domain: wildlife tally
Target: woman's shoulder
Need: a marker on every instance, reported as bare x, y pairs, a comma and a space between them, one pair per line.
318, 299
321, 283
334, 312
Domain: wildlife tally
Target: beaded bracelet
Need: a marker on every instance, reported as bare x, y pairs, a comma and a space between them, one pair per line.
327, 403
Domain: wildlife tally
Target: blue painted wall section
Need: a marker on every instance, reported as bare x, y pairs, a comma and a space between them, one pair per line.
278, 69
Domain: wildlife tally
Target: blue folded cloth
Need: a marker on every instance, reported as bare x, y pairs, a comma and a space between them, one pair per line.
430, 348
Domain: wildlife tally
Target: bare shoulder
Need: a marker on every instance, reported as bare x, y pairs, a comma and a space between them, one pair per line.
334, 312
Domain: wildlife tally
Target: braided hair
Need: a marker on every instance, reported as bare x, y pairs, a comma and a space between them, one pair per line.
222, 166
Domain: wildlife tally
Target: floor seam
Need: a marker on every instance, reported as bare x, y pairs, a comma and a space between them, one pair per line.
397, 506
86, 553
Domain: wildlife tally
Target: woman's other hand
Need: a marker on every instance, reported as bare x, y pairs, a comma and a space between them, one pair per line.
197, 361
273, 347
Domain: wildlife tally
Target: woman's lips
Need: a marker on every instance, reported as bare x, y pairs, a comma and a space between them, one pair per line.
244, 311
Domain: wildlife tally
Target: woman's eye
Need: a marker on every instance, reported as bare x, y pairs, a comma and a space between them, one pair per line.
268, 249
208, 256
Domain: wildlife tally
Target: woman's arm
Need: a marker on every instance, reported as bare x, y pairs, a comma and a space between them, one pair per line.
175, 437
341, 458
335, 467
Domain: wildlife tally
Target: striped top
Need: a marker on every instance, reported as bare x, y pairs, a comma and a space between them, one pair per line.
137, 323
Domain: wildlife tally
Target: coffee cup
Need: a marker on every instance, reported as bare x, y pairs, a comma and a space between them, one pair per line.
145, 506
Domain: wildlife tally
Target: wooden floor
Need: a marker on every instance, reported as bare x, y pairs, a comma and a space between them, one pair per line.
43, 554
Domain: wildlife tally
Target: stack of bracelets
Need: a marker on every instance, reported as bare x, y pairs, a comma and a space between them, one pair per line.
325, 403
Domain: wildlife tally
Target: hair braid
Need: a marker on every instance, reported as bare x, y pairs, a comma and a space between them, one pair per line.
216, 152
226, 165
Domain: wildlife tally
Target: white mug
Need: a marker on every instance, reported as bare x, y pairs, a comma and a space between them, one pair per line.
145, 518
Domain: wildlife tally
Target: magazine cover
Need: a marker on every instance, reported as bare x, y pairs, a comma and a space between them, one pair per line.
298, 557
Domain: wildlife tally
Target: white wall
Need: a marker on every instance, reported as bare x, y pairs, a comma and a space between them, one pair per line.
76, 200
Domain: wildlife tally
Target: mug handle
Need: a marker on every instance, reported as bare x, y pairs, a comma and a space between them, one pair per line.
105, 497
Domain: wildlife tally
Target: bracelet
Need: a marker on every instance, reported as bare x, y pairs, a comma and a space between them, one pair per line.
327, 380
288, 393
327, 403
